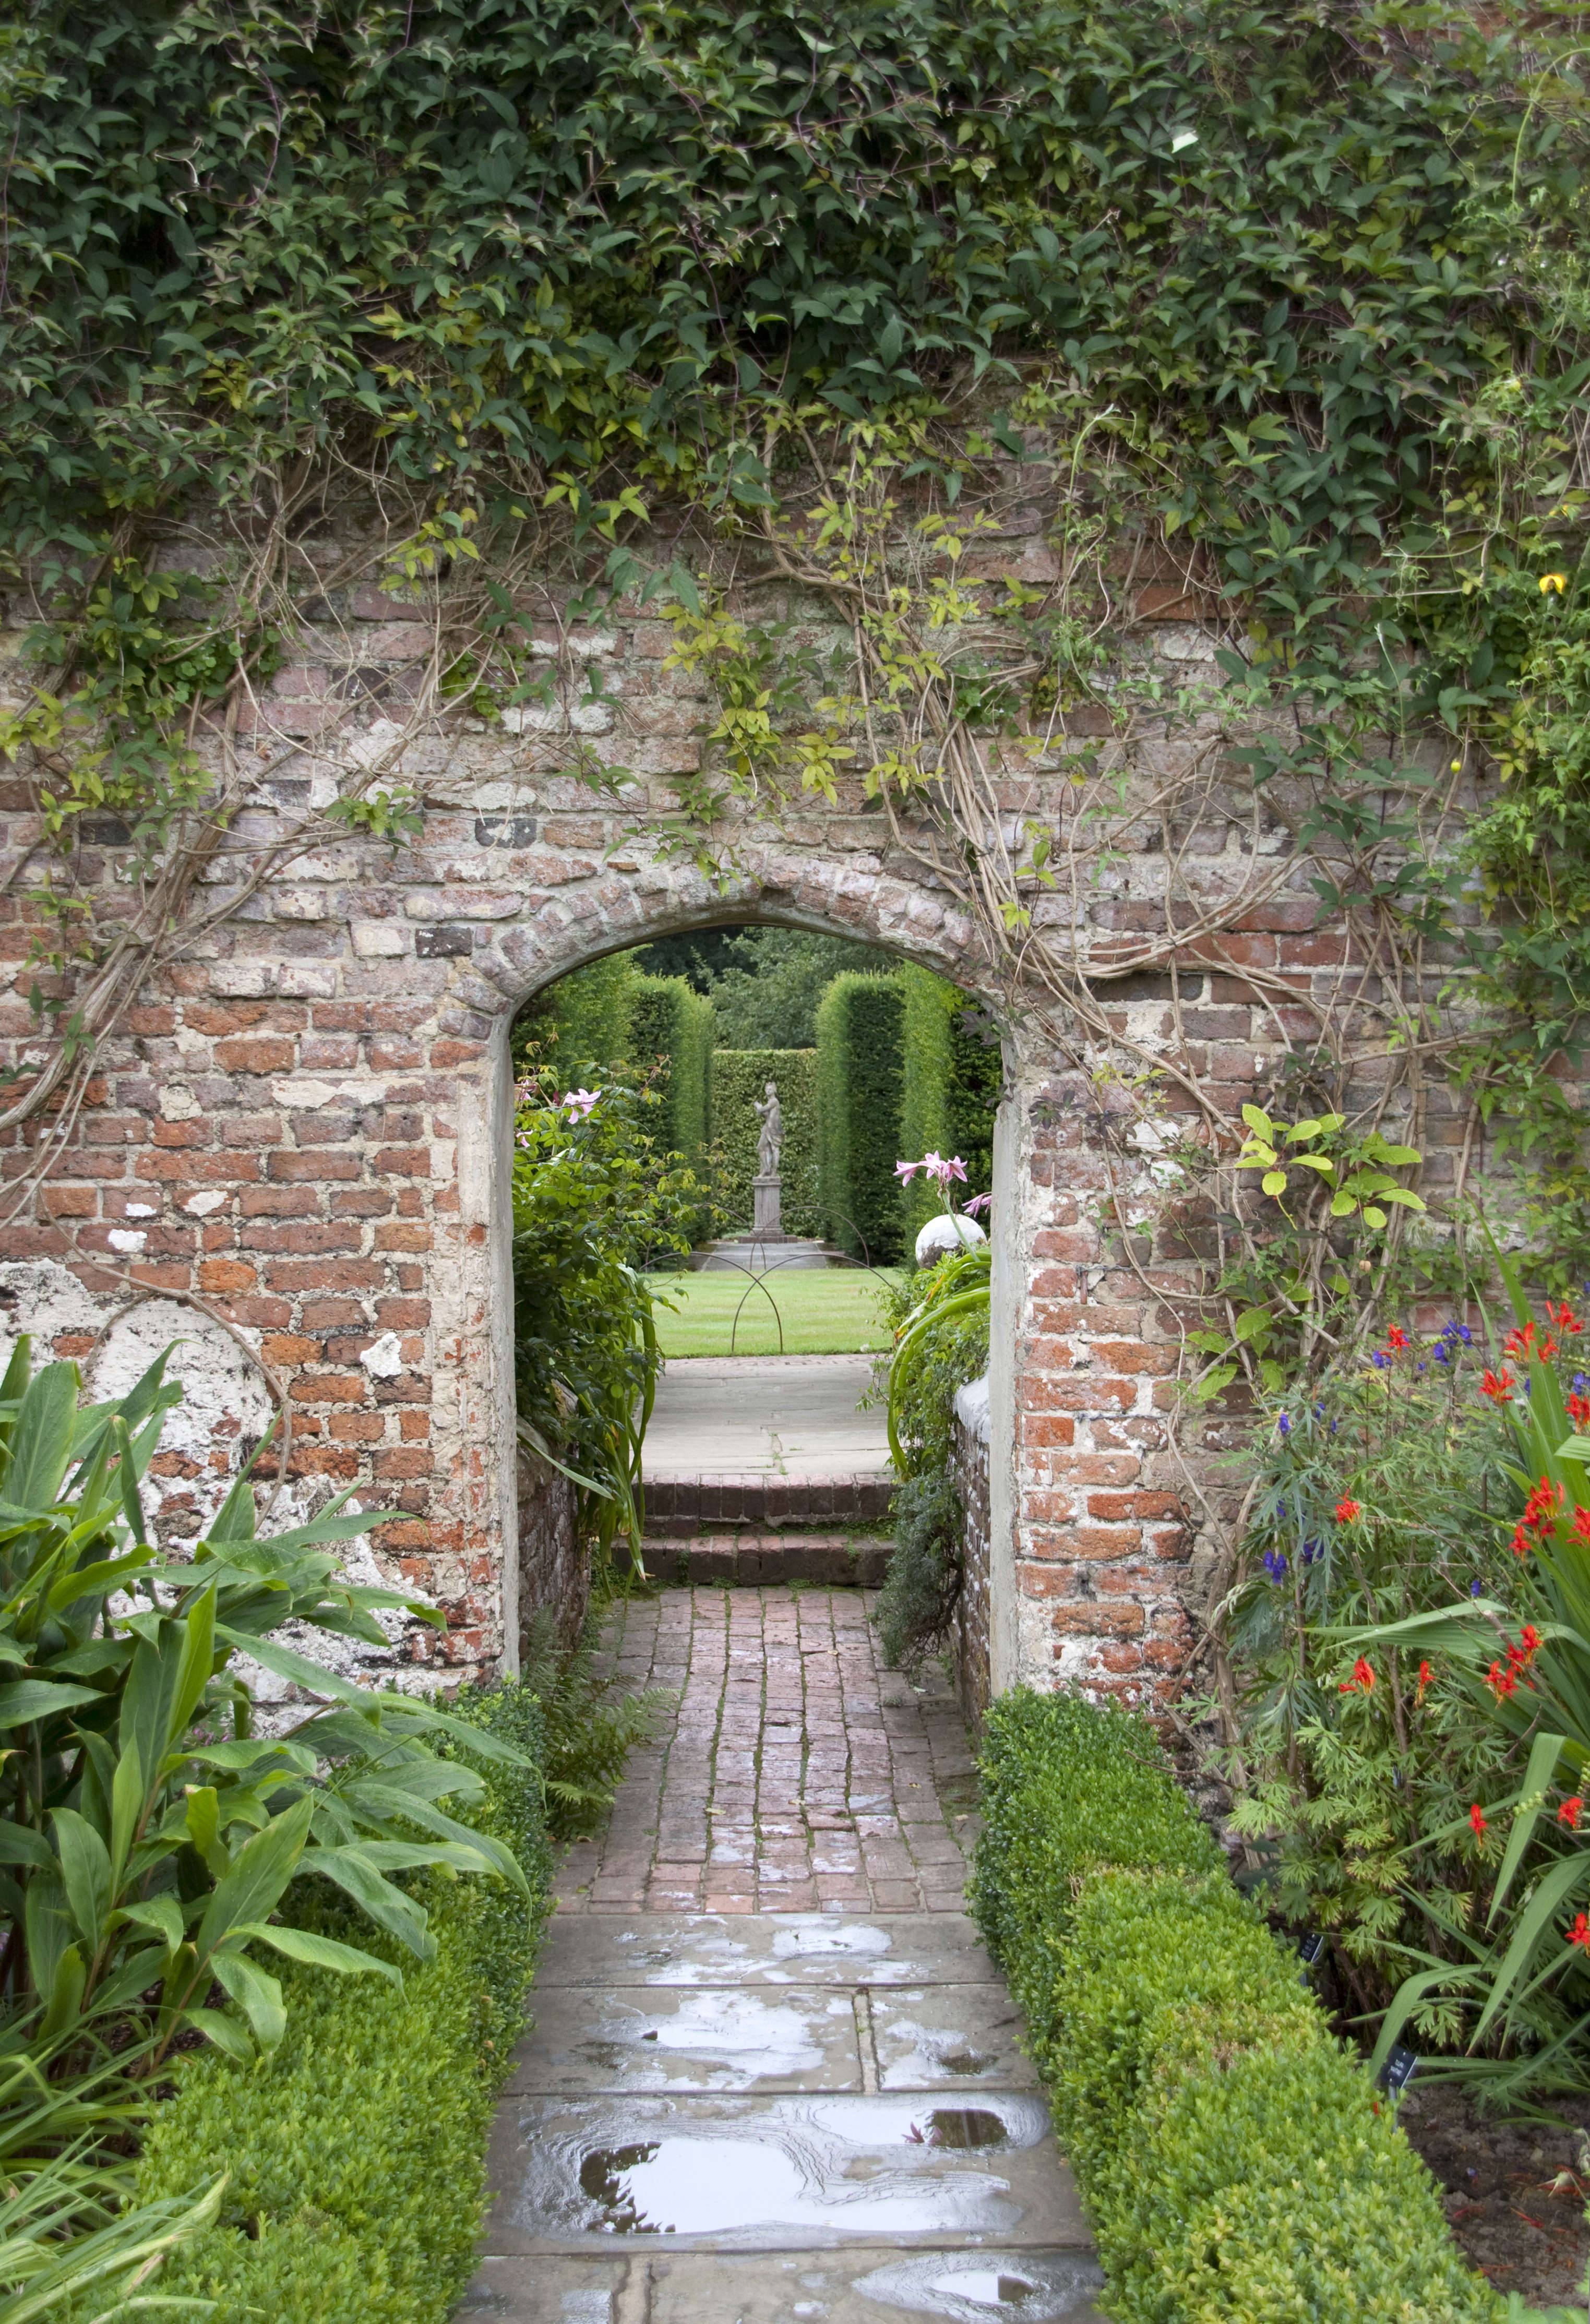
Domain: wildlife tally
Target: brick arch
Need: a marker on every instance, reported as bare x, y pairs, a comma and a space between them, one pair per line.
626, 907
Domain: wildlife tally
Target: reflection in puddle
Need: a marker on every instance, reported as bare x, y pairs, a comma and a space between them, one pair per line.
1036, 2287
711, 2186
962, 2127
824, 2167
821, 1940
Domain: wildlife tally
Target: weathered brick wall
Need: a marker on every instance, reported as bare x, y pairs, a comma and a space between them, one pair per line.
307, 1119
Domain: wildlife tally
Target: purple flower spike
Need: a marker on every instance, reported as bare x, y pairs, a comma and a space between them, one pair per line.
1275, 1563
1285, 1424
1474, 1589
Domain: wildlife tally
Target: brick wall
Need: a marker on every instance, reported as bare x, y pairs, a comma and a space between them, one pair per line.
305, 1119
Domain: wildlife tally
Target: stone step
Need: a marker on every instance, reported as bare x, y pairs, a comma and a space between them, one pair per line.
750, 1559
687, 1506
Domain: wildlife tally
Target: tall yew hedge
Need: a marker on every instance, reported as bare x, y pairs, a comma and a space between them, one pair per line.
860, 1031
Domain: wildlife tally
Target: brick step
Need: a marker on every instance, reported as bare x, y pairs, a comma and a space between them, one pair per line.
688, 1505
857, 1561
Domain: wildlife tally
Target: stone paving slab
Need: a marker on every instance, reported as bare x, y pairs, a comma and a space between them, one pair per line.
870, 2286
617, 2038
779, 2173
961, 2036
778, 1415
766, 1948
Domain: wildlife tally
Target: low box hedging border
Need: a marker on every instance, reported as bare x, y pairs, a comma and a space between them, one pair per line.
1236, 2164
356, 2151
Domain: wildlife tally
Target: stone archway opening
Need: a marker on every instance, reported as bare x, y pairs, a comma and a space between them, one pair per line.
766, 1460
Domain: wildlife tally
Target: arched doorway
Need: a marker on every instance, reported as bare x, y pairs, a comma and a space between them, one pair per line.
856, 910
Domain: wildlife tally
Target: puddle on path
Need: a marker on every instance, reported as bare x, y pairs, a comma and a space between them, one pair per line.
1031, 2287
838, 2166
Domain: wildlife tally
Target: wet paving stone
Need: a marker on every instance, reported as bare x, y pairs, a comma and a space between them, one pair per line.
772, 2075
777, 2173
704, 1948
851, 2287
686, 2041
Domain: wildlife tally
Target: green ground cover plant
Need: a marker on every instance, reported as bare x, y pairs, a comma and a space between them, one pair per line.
820, 1311
355, 2155
1236, 2163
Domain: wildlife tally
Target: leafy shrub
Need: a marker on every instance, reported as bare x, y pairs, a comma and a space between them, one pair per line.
766, 994
922, 1586
355, 2153
737, 1086
858, 1070
590, 1725
595, 1202
940, 1321
148, 1836
1236, 2165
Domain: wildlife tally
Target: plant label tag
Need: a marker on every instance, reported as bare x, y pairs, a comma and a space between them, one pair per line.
1311, 1947
1398, 2070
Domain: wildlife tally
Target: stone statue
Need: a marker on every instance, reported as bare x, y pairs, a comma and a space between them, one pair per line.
769, 1143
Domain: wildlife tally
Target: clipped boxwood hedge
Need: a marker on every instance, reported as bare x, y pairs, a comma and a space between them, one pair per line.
1236, 2163
356, 2151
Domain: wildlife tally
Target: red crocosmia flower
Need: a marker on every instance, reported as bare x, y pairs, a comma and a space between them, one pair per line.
1529, 1638
1362, 1681
1346, 1510
1579, 1934
1476, 1816
1564, 1317
1425, 1679
1502, 1683
1545, 1500
1578, 1408
1500, 1390
1396, 1340
1570, 1811
1582, 1524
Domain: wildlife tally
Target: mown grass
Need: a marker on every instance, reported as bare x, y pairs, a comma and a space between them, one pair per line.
827, 1311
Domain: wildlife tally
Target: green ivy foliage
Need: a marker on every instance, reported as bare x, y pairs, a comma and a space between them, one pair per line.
1315, 280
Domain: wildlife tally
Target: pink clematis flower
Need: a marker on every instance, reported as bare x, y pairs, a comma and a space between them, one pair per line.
577, 1104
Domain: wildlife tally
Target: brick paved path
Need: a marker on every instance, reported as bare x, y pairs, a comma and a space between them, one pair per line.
773, 2076
796, 1774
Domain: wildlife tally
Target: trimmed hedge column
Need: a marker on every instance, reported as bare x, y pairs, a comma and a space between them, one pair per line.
1237, 2165
671, 1021
860, 1025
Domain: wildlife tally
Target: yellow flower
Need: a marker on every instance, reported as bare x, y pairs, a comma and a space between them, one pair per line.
1550, 581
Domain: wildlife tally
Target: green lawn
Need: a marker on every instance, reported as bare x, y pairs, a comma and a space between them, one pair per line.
825, 1312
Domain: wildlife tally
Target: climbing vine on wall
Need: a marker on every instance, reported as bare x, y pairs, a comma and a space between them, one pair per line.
516, 311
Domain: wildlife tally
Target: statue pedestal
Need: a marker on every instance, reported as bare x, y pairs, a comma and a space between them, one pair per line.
767, 1217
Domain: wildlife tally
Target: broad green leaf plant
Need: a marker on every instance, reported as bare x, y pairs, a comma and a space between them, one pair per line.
1521, 1659
150, 1835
